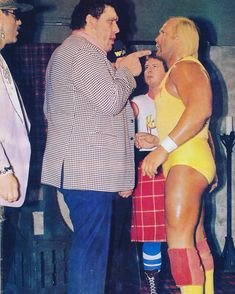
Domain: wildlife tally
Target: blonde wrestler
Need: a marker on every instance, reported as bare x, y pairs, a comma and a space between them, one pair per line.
184, 107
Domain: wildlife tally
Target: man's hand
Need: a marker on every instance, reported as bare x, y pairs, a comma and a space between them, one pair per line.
153, 160
9, 187
125, 194
146, 140
132, 61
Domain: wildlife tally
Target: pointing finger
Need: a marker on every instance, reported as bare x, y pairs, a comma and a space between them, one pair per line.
142, 53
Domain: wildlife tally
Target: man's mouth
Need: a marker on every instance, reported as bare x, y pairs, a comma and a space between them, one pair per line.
158, 48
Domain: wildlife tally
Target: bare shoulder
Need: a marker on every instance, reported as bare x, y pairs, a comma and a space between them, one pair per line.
188, 71
189, 80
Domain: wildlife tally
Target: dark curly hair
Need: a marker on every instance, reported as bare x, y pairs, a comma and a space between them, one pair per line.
92, 7
155, 56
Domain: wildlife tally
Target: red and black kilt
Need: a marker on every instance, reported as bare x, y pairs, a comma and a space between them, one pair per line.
148, 213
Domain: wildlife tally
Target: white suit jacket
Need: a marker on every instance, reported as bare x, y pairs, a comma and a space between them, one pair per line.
14, 126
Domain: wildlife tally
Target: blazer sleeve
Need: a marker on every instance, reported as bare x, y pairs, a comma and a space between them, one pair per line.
3, 157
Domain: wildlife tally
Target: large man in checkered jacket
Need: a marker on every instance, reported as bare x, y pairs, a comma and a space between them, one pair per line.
89, 149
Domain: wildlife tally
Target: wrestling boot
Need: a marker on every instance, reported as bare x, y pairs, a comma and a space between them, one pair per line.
191, 289
152, 279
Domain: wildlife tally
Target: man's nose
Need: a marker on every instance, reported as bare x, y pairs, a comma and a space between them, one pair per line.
116, 28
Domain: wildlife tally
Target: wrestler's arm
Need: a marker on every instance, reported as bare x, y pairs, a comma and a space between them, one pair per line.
192, 85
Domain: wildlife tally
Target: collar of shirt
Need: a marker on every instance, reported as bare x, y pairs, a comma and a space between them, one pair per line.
88, 38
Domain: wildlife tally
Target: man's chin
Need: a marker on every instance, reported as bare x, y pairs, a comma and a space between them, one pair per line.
15, 39
12, 42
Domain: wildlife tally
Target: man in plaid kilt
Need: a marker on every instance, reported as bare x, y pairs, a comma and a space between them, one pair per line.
148, 223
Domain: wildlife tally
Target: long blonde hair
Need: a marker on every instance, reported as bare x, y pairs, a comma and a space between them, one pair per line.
185, 29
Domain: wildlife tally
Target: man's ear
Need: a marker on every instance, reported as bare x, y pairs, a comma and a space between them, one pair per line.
178, 40
91, 21
176, 37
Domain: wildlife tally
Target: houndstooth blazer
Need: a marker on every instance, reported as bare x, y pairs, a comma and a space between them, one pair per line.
90, 142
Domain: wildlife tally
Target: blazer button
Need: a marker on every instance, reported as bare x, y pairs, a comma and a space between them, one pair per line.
132, 138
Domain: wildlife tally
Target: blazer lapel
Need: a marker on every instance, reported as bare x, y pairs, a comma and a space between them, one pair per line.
13, 93
23, 111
